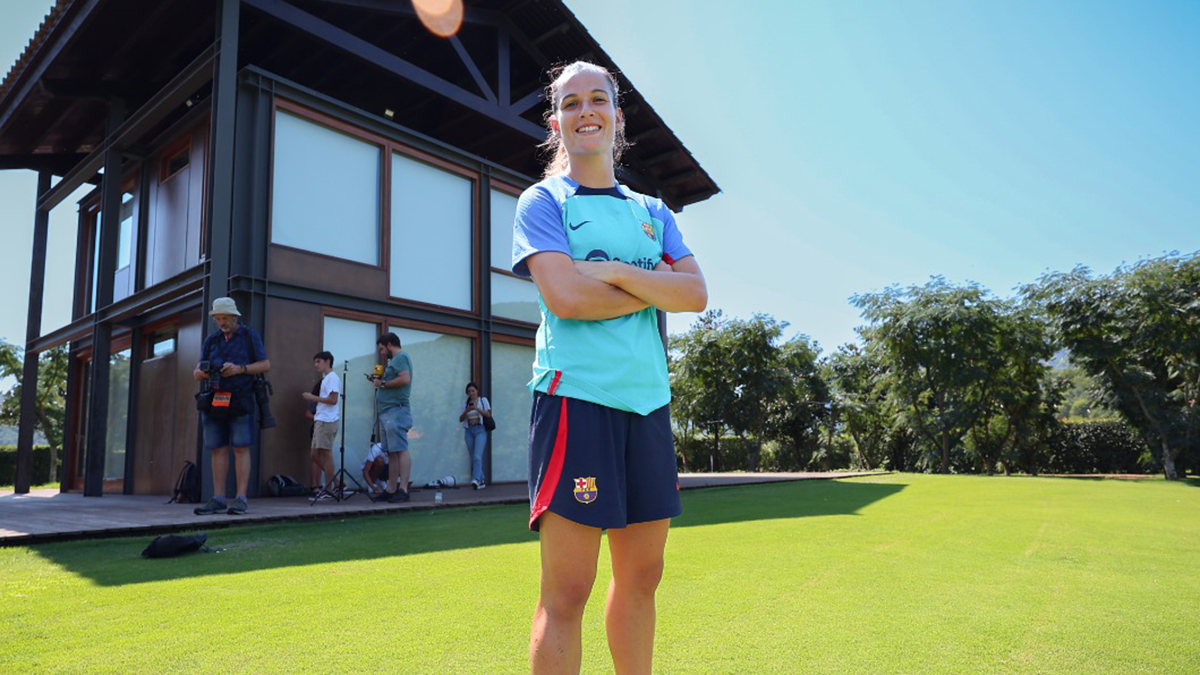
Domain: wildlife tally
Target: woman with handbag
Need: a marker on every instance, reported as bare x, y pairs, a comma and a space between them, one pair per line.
476, 419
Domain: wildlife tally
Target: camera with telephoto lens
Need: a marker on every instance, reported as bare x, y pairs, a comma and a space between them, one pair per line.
262, 398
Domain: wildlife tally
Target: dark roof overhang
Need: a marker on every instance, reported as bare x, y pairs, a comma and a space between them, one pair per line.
371, 54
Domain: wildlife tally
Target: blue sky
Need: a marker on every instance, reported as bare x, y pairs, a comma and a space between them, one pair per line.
867, 143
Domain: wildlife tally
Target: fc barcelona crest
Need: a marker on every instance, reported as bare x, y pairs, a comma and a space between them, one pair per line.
585, 490
649, 231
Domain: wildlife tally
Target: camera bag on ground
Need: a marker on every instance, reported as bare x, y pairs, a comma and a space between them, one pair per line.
171, 545
187, 486
280, 485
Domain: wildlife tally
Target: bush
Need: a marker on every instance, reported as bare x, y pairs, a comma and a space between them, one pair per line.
1098, 446
41, 465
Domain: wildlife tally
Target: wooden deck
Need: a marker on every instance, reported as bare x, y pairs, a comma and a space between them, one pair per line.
48, 515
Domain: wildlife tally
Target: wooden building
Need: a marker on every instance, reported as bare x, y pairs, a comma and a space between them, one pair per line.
334, 166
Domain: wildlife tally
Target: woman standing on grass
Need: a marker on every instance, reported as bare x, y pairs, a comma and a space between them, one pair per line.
604, 259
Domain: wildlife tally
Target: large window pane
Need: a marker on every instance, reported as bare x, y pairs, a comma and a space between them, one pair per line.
352, 344
512, 298
511, 369
325, 196
441, 370
118, 415
431, 234
504, 212
125, 246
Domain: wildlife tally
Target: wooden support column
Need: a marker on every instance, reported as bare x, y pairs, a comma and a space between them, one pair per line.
220, 180
110, 224
33, 329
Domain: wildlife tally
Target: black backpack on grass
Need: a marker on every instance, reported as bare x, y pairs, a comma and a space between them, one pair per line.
187, 486
171, 545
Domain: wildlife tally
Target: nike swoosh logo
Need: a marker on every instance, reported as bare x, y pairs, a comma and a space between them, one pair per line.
576, 227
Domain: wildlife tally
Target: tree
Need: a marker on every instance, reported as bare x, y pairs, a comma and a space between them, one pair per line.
1137, 331
860, 397
758, 375
701, 387
938, 343
803, 402
1017, 407
51, 399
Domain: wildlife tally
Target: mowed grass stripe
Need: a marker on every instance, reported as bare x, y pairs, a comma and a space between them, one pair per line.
890, 574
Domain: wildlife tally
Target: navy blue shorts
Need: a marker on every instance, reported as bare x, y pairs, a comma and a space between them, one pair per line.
598, 466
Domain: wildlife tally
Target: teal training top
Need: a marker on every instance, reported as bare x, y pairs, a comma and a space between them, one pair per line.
390, 398
620, 362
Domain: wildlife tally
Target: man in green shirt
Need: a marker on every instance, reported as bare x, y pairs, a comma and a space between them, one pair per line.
395, 417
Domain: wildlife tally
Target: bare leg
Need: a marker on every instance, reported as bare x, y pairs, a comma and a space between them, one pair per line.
405, 469
393, 470
327, 465
314, 469
241, 464
637, 560
569, 552
220, 470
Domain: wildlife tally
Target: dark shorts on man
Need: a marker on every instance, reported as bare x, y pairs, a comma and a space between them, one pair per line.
224, 432
599, 466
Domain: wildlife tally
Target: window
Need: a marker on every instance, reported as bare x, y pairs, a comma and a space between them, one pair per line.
325, 196
162, 343
512, 297
441, 370
174, 163
118, 415
431, 234
512, 367
125, 245
352, 344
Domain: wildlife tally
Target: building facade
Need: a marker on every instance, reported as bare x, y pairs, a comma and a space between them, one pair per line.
334, 166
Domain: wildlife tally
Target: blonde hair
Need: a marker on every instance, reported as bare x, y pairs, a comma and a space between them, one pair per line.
558, 162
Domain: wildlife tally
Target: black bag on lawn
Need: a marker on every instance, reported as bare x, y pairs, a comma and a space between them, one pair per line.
171, 545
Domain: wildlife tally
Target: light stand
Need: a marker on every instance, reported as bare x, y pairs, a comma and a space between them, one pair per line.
340, 476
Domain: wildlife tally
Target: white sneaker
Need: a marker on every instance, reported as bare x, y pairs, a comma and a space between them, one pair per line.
481, 485
475, 485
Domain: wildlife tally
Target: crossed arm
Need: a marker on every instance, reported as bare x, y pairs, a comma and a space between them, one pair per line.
587, 290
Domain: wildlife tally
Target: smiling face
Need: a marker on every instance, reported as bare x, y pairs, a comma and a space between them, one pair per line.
585, 115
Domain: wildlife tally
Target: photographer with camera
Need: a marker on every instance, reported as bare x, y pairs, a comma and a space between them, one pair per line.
230, 361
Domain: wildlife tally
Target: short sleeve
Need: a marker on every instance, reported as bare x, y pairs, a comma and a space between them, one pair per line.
330, 385
674, 249
260, 352
537, 228
401, 364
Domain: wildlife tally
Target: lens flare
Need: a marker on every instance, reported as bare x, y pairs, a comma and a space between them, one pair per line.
443, 18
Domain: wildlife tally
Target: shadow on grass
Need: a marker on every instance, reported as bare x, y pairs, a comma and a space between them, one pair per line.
116, 562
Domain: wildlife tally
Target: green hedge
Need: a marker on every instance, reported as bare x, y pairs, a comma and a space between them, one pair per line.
41, 465
1098, 446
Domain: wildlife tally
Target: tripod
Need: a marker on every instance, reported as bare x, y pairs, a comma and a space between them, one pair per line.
339, 477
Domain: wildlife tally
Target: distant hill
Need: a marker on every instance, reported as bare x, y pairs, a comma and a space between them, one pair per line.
8, 436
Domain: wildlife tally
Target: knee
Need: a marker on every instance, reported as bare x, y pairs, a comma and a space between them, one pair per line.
641, 578
566, 598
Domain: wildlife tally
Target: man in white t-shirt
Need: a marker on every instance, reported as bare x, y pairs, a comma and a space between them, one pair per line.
325, 421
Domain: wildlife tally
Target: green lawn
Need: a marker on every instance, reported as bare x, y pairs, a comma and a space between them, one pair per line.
890, 574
